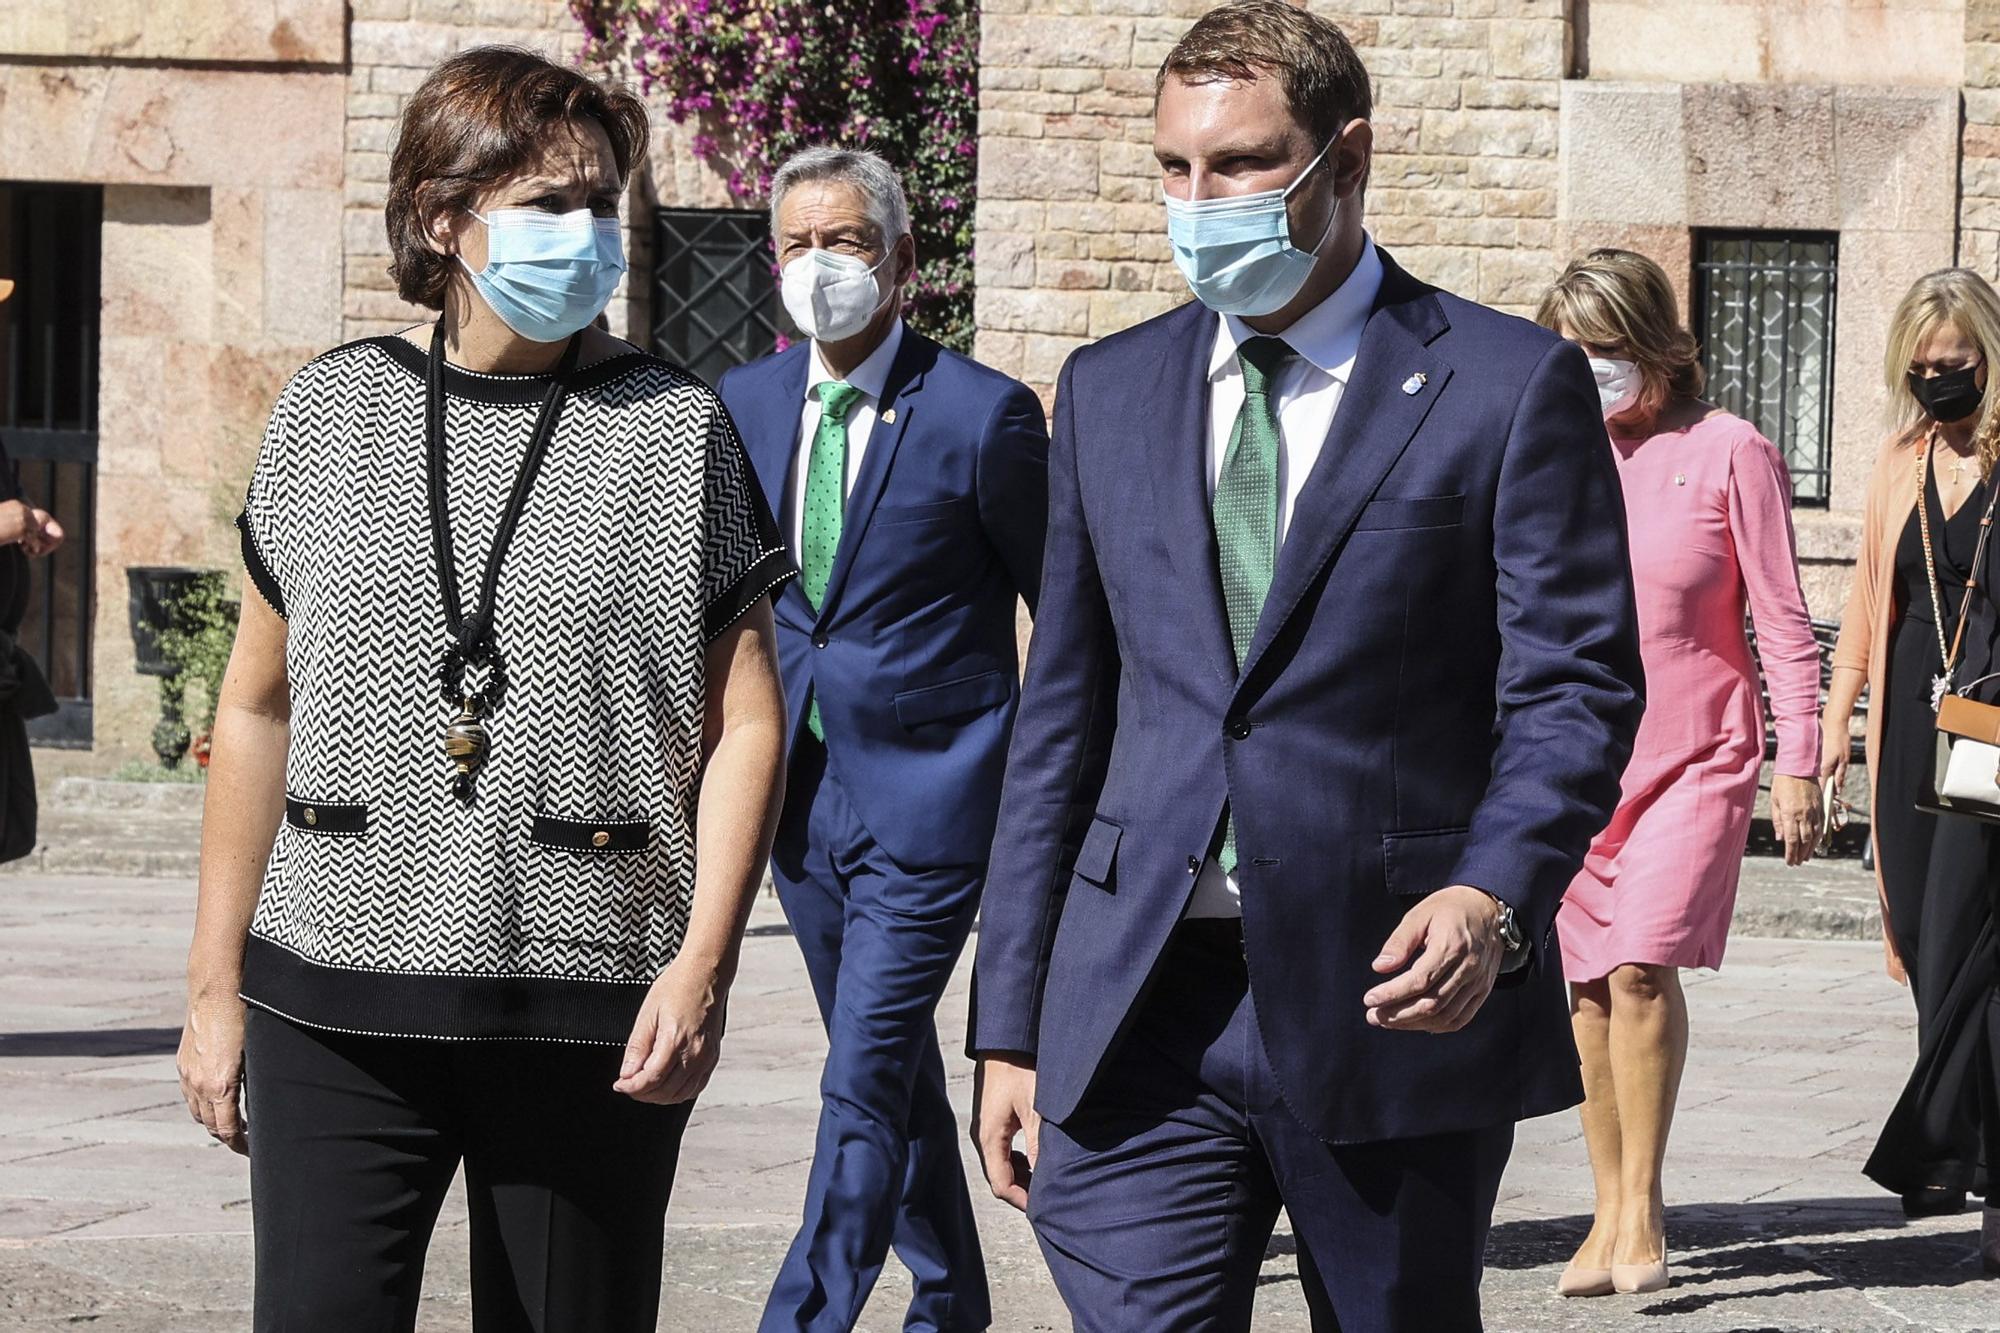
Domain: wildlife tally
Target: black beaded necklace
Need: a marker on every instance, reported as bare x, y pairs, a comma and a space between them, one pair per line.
466, 742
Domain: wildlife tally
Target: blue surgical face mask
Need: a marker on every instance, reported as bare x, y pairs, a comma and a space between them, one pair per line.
548, 274
1236, 252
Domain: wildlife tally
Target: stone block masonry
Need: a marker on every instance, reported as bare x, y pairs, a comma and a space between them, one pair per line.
1070, 236
1979, 166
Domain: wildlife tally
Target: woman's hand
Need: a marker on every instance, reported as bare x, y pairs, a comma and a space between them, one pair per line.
1892, 961
1835, 750
211, 1069
1795, 816
677, 1037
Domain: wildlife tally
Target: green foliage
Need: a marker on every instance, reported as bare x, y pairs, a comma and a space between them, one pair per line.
196, 640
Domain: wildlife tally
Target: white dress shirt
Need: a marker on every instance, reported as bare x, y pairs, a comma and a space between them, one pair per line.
1324, 342
872, 378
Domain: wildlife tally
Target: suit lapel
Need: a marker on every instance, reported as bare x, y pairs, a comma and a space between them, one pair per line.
901, 400
773, 437
1395, 380
1179, 471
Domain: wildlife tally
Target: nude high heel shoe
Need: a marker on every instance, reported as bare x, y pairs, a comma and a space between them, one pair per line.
1584, 1282
1638, 1279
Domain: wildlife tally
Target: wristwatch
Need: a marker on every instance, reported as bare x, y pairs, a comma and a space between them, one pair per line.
1511, 938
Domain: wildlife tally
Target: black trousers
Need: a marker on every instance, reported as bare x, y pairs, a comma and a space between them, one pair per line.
354, 1142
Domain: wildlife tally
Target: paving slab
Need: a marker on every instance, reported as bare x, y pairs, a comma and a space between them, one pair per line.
117, 1215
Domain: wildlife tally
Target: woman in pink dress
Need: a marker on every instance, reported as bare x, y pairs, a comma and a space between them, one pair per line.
1708, 505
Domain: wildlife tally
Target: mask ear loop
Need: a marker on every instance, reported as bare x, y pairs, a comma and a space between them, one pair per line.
1300, 179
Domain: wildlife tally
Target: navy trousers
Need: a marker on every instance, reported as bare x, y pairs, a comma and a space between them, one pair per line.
1155, 1200
880, 940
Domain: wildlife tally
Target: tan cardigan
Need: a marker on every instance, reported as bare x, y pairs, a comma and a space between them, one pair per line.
1872, 612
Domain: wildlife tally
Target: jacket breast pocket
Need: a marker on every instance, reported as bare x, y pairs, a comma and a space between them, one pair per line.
1392, 514
1098, 857
953, 698
1421, 862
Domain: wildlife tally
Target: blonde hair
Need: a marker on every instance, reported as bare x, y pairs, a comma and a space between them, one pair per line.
1621, 301
1966, 301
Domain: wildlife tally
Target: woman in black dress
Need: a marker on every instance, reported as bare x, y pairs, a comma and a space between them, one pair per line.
1940, 875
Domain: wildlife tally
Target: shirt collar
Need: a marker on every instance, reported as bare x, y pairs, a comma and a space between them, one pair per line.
871, 376
1328, 335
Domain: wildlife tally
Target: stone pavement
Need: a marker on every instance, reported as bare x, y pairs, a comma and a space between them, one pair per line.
116, 1214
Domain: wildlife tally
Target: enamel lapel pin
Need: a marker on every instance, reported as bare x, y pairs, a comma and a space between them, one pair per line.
1415, 383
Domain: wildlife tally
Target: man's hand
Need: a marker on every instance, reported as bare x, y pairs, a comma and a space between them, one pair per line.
677, 1037
1453, 936
1003, 1104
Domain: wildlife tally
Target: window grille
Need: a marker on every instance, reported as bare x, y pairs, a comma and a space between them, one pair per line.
715, 303
1764, 304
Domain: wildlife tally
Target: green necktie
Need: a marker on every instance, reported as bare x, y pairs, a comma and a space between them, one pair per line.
1246, 512
826, 499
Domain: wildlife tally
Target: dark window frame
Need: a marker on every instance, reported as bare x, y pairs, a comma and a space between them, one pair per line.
714, 293
48, 423
1805, 266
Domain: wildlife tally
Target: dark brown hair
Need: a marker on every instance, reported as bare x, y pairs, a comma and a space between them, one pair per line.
1621, 301
1323, 79
479, 117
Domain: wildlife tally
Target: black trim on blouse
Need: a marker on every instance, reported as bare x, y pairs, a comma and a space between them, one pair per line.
261, 576
503, 390
452, 1005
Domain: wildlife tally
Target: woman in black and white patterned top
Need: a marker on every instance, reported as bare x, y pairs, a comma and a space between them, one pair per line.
507, 632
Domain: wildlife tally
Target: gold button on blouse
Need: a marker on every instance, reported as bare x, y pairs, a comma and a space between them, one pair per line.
312, 817
601, 838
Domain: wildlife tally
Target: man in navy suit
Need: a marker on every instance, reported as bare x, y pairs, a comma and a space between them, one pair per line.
914, 486
1334, 675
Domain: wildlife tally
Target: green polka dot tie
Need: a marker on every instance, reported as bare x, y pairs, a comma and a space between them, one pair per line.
1246, 512
826, 501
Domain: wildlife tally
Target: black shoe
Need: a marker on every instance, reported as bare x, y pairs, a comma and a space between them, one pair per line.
1933, 1201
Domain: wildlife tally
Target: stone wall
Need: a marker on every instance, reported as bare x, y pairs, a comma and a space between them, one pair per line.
290, 32
1979, 166
221, 264
1070, 234
1905, 43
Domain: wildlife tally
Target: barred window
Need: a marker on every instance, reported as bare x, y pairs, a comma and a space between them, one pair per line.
1764, 312
715, 304
50, 246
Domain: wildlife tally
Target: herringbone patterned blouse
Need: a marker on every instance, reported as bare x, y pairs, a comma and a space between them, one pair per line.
545, 908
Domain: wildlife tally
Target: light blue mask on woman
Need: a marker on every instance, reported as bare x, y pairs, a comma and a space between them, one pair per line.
548, 274
1236, 252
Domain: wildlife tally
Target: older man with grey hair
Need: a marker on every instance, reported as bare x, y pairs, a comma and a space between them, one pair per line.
912, 484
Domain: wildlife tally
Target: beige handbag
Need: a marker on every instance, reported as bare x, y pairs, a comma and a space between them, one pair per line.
1966, 779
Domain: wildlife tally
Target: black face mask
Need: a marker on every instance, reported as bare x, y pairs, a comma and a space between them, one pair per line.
1952, 396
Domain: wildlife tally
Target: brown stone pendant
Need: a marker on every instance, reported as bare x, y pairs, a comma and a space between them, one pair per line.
466, 745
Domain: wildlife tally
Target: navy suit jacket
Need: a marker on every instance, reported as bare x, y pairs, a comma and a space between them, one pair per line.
1443, 689
913, 654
